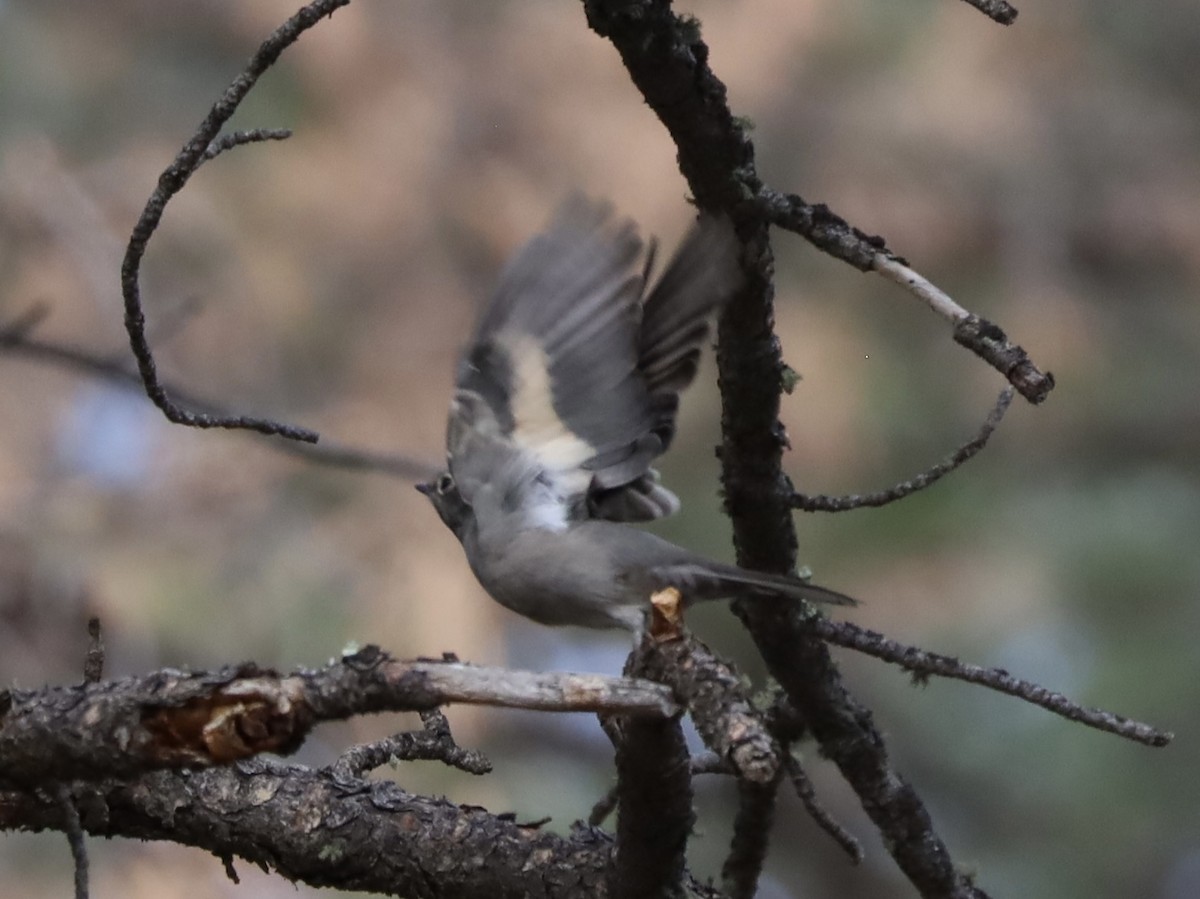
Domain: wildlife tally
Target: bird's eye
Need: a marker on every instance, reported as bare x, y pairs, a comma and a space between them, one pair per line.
445, 483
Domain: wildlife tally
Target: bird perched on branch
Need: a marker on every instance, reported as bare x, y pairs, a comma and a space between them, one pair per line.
565, 396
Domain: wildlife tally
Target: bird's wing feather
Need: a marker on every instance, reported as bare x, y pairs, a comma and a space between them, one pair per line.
569, 371
702, 275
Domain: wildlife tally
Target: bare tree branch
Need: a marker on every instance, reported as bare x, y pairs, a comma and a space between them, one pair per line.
829, 232
177, 719
989, 342
980, 336
715, 695
924, 663
927, 478
367, 836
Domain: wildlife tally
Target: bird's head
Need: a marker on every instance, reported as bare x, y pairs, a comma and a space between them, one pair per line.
451, 507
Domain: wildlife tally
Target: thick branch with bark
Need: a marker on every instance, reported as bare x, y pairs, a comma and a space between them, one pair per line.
654, 802
718, 700
368, 836
668, 62
173, 719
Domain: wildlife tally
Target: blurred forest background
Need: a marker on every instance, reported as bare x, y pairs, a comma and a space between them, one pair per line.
1047, 175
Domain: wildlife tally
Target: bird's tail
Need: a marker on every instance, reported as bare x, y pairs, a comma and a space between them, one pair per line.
698, 583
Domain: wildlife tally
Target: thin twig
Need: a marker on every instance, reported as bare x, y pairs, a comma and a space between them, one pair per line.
983, 338
896, 269
230, 870
73, 828
433, 742
437, 726
93, 662
93, 668
822, 503
789, 727
820, 226
170, 182
808, 798
15, 338
989, 342
605, 806
924, 664
241, 138
830, 233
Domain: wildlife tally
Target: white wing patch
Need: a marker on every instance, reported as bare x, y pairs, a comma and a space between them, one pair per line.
537, 429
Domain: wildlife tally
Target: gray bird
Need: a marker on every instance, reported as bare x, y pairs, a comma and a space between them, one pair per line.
564, 397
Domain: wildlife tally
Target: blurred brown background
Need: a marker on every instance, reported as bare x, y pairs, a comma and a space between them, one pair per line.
1047, 175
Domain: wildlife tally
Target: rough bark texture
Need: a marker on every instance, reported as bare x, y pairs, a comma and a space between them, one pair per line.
654, 815
171, 719
751, 838
309, 827
719, 703
669, 64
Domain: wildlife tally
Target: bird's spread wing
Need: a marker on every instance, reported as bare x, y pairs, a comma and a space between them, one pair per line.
571, 382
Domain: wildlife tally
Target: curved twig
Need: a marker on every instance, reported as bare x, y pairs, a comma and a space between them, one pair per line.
433, 742
822, 503
807, 795
199, 148
73, 828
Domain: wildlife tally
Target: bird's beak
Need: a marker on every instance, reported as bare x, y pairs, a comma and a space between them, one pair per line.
424, 488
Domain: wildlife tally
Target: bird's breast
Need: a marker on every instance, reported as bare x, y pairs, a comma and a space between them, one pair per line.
555, 578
